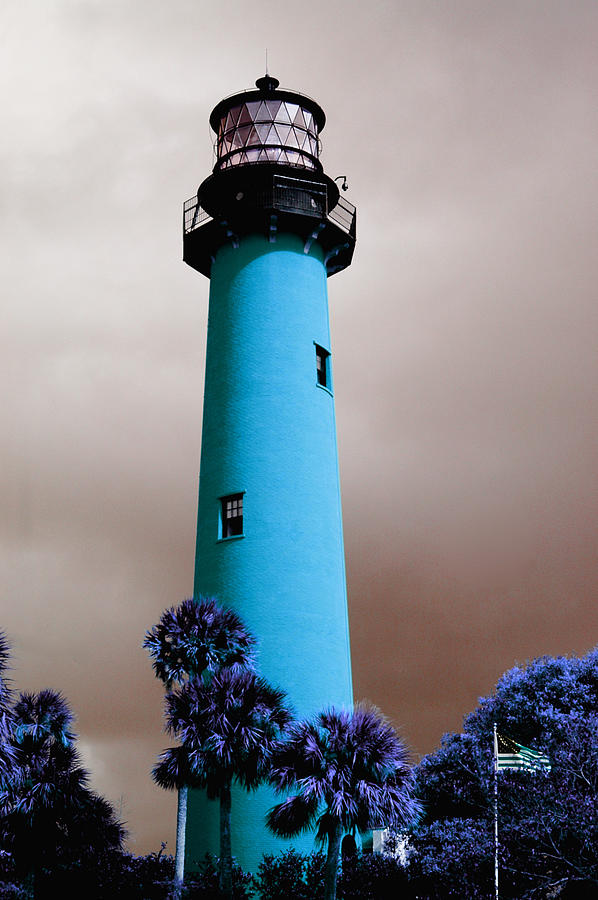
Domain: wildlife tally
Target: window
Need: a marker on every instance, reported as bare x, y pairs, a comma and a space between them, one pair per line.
232, 515
268, 131
322, 367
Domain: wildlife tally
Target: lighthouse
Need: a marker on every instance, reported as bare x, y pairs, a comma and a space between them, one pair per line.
268, 227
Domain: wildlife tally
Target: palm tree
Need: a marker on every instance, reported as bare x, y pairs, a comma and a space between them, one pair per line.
49, 815
227, 729
194, 640
349, 770
8, 755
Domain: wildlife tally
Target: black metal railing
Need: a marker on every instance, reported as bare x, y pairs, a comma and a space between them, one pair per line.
344, 214
298, 195
193, 215
287, 195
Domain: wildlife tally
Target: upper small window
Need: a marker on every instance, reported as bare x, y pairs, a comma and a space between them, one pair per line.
322, 366
232, 515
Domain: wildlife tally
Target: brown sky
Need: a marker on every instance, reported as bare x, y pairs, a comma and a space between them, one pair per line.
464, 339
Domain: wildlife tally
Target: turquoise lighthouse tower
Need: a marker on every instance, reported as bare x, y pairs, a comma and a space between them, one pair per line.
268, 227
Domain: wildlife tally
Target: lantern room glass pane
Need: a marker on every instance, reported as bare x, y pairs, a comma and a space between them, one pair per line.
299, 120
238, 139
263, 130
253, 136
283, 115
244, 118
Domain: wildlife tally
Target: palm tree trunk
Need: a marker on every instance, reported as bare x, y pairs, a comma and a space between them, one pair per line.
226, 853
334, 846
179, 860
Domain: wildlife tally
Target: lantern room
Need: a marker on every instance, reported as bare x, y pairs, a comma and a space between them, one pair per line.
267, 125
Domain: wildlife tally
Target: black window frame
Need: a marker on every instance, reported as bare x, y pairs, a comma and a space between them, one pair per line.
231, 525
323, 367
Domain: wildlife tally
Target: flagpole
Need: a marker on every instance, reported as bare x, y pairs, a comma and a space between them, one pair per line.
495, 814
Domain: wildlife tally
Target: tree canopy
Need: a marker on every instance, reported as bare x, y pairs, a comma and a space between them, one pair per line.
50, 819
548, 821
196, 637
347, 770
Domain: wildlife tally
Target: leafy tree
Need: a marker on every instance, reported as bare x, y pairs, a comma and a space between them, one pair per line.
204, 883
50, 819
457, 861
123, 875
349, 770
548, 822
192, 641
374, 876
300, 876
227, 729
291, 874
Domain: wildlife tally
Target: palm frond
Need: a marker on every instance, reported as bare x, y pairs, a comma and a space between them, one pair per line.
175, 770
293, 816
44, 716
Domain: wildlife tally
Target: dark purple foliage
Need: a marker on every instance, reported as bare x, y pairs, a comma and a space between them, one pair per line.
49, 817
344, 767
457, 862
195, 637
102, 875
8, 756
548, 821
203, 883
221, 711
372, 876
364, 876
126, 876
226, 728
347, 770
291, 874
